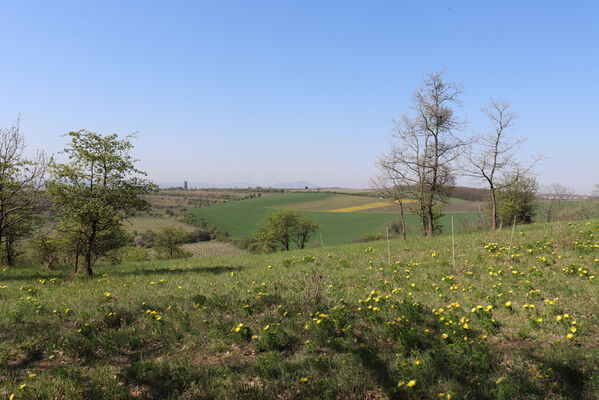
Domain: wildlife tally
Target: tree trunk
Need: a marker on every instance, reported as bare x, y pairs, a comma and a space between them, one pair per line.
48, 261
548, 215
403, 223
431, 223
423, 221
9, 253
88, 263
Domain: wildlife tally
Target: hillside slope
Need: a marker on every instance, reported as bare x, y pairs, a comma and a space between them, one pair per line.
333, 322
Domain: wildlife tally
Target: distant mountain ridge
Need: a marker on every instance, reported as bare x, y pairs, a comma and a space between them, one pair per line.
239, 185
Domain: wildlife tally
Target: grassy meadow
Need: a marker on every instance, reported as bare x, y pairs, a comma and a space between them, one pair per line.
328, 323
240, 218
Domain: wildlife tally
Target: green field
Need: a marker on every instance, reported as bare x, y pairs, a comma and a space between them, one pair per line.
324, 323
240, 218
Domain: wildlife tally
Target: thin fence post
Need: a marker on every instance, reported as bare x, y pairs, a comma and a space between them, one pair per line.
452, 243
511, 237
388, 248
321, 241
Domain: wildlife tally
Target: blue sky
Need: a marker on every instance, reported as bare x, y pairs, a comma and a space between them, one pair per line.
266, 92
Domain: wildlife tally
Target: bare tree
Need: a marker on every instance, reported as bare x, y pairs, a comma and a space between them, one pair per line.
389, 185
21, 180
493, 155
425, 147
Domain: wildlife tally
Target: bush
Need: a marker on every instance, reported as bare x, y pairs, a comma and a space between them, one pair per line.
282, 228
517, 199
176, 253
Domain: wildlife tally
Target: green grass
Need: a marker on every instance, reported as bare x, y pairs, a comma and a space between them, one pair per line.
334, 322
240, 218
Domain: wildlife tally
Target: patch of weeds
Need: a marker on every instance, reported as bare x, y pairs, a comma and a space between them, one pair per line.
275, 338
268, 365
165, 379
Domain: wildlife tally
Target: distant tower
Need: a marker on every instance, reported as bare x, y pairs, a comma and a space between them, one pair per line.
185, 185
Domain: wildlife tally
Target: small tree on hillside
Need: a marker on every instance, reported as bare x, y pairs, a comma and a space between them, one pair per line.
493, 153
95, 192
516, 200
169, 240
492, 157
390, 185
47, 247
281, 228
304, 229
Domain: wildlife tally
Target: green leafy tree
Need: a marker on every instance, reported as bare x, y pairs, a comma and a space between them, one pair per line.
303, 231
47, 248
95, 192
516, 200
281, 228
21, 195
168, 241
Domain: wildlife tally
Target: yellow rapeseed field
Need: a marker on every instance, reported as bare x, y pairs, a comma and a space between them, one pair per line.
367, 206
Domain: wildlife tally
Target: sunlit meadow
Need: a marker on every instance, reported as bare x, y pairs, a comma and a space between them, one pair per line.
515, 321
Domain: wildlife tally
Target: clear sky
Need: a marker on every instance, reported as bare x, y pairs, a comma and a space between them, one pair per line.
266, 92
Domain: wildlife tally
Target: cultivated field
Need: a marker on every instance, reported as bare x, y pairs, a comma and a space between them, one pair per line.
339, 222
213, 249
338, 322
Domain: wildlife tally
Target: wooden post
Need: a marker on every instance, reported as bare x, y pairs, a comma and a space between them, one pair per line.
511, 237
388, 248
452, 243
